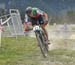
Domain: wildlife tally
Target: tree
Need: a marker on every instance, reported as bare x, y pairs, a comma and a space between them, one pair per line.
71, 16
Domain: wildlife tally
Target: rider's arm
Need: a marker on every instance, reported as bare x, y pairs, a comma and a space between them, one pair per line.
43, 14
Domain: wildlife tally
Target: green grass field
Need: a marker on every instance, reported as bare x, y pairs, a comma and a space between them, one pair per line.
25, 51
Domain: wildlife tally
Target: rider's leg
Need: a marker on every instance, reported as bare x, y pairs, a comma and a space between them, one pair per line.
45, 31
43, 24
46, 35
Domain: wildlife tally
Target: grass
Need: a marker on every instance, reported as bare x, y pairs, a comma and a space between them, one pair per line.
24, 51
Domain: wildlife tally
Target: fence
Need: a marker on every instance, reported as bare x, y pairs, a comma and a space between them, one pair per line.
12, 24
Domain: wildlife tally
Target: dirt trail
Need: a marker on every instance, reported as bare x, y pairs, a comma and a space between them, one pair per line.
58, 39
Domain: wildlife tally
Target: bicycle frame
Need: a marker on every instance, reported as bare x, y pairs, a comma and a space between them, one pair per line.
41, 39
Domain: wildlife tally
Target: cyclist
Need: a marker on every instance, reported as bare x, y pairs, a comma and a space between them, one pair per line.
35, 15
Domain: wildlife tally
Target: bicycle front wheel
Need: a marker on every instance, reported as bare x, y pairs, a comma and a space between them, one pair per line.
42, 44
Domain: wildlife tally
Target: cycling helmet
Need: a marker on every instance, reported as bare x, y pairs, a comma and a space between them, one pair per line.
28, 10
34, 11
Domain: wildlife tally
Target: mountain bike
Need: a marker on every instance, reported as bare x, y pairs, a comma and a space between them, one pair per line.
41, 40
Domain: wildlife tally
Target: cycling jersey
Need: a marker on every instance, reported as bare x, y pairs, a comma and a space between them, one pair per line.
39, 12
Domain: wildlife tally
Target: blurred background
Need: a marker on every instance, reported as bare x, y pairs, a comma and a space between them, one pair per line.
59, 11
20, 47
